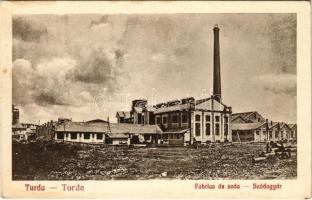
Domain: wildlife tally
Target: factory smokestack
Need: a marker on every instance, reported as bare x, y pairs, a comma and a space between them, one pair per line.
216, 65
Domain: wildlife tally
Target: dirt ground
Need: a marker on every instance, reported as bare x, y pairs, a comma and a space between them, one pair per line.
39, 161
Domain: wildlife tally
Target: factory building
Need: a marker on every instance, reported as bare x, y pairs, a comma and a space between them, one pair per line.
293, 131
107, 133
187, 121
252, 127
247, 117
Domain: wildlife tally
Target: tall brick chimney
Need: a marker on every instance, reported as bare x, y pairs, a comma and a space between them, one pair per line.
216, 65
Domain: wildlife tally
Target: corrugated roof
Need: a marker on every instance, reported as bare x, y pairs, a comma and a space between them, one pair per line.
117, 135
81, 127
112, 128
134, 128
236, 117
246, 126
172, 108
243, 114
199, 101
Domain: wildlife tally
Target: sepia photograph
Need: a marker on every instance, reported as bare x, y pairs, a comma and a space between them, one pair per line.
181, 96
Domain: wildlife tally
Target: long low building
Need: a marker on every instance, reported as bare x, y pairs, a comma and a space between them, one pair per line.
107, 133
262, 132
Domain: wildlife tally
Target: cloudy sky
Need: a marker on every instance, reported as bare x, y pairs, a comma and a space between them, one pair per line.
90, 66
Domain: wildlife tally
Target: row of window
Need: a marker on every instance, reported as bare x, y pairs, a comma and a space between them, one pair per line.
184, 118
270, 132
208, 128
174, 119
282, 133
207, 118
73, 136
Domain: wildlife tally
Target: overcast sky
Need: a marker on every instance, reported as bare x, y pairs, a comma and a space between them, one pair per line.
90, 66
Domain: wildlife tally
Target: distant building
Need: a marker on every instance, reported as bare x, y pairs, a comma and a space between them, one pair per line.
24, 130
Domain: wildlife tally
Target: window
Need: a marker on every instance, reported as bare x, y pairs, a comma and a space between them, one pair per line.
158, 120
86, 136
197, 129
60, 136
207, 118
217, 118
226, 119
207, 128
217, 129
73, 136
197, 118
184, 118
139, 118
142, 122
174, 118
257, 132
270, 134
164, 119
99, 136
226, 129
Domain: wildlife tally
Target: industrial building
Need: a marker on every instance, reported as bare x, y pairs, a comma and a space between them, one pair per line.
187, 121
107, 133
252, 127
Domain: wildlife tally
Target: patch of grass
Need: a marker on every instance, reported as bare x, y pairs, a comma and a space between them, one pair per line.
51, 161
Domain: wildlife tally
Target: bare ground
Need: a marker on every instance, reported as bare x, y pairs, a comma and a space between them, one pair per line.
38, 161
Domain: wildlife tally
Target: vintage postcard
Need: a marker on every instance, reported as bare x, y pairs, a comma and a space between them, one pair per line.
155, 99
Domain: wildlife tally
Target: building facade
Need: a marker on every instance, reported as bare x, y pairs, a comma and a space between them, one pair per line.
252, 127
107, 133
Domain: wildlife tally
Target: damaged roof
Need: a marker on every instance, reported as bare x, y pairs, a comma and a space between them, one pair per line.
125, 114
172, 108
